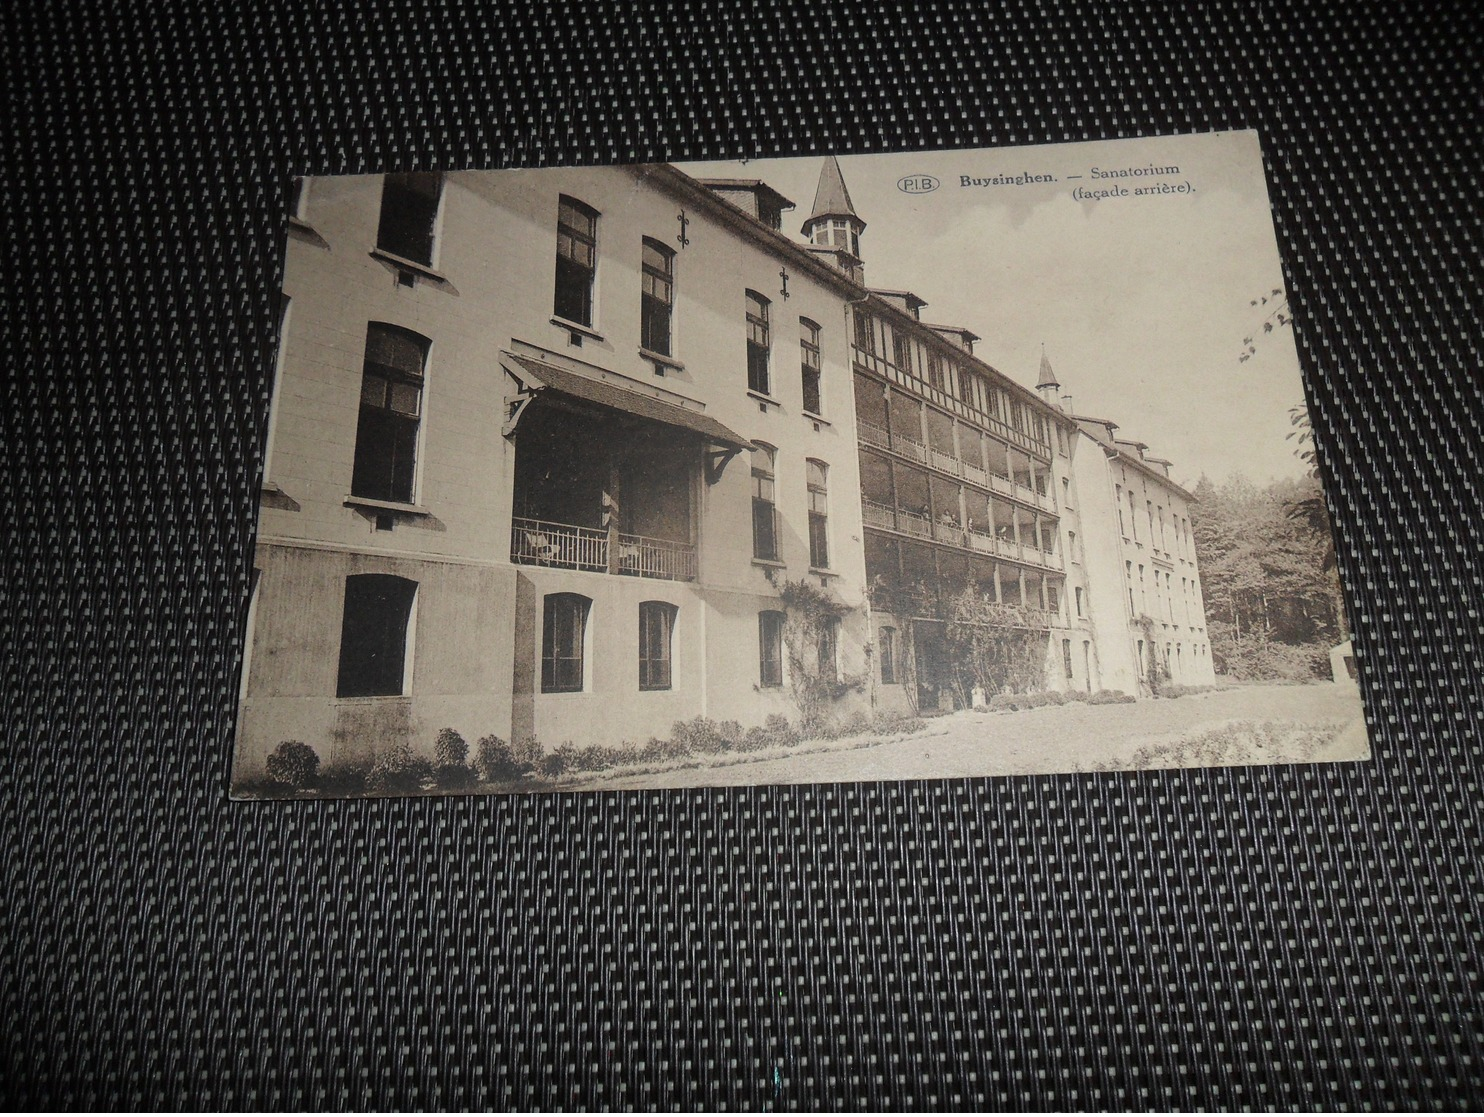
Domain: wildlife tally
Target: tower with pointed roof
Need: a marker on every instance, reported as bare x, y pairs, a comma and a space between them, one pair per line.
833, 224
1046, 384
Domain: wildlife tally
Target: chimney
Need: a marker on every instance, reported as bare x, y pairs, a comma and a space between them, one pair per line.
1066, 404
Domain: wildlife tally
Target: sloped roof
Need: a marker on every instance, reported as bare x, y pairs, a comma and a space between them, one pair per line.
611, 392
832, 199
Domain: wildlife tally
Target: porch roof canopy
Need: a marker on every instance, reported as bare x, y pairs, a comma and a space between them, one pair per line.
609, 393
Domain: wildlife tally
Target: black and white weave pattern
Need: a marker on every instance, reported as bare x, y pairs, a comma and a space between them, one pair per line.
1284, 937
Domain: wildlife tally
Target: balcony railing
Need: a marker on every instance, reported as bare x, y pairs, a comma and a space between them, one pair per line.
927, 603
544, 543
878, 515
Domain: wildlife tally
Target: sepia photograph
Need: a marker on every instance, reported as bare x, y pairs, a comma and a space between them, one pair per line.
924, 465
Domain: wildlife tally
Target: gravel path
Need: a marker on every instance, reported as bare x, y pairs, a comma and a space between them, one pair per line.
1293, 724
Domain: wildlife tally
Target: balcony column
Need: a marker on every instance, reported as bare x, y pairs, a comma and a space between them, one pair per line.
611, 514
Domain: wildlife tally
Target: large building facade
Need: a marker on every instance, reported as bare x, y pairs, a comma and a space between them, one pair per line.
575, 454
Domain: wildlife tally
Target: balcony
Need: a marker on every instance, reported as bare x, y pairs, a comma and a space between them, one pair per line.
568, 547
877, 515
932, 604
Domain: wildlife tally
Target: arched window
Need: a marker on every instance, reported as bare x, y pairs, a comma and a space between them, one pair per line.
656, 634
391, 412
373, 635
759, 344
563, 642
657, 304
819, 524
764, 510
576, 261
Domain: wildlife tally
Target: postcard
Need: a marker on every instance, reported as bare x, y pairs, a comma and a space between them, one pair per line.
914, 466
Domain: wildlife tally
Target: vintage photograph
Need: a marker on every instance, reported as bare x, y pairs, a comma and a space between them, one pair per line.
926, 465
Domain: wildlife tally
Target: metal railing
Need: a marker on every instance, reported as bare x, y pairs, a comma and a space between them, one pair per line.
545, 543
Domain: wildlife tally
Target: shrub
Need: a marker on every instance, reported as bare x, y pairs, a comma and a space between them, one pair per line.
755, 740
554, 764
1179, 690
700, 734
1109, 698
494, 760
884, 722
731, 732
855, 724
1075, 696
780, 733
450, 749
293, 763
1055, 698
528, 754
1004, 702
398, 769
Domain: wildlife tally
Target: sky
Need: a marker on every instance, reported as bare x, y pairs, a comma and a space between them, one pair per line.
1142, 302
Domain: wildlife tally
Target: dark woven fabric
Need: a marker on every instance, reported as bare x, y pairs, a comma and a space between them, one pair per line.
1299, 936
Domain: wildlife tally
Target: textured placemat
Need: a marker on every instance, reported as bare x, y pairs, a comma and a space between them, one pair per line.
1248, 937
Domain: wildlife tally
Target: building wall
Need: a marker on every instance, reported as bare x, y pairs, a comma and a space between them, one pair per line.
492, 292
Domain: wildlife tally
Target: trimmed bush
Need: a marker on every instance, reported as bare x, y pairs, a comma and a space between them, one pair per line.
1075, 696
293, 763
1110, 698
450, 749
398, 769
494, 760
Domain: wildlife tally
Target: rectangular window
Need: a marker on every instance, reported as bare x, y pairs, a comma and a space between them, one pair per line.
656, 631
770, 648
809, 364
764, 511
819, 534
966, 386
409, 215
391, 411
935, 371
564, 634
901, 352
1078, 594
865, 332
658, 301
759, 344
373, 635
576, 261
888, 656
829, 647
1066, 658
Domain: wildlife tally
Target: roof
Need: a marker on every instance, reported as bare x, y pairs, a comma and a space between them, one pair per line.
964, 330
1048, 378
751, 185
832, 199
610, 390
906, 296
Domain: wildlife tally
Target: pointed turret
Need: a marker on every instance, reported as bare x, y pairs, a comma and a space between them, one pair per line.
1048, 387
833, 223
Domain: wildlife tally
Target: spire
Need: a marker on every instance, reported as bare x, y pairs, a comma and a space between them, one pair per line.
1048, 387
832, 199
833, 223
1048, 378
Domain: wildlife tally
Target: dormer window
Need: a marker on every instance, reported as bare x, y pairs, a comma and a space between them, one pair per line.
409, 215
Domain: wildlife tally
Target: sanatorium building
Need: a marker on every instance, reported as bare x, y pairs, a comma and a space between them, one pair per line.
575, 454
